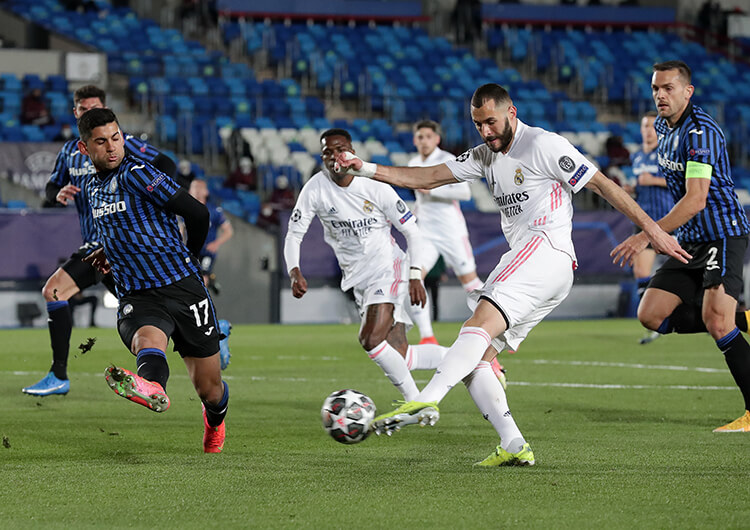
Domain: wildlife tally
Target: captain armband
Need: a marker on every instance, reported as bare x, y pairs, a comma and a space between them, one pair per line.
698, 170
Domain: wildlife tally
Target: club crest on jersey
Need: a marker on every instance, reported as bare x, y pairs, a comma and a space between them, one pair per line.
400, 206
296, 215
368, 207
113, 185
675, 143
518, 179
463, 157
566, 164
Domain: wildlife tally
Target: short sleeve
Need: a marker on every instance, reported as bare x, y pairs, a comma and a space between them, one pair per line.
557, 157
60, 175
150, 183
394, 208
470, 164
139, 149
704, 145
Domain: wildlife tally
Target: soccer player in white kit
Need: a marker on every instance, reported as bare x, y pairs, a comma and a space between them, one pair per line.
440, 219
532, 174
357, 215
444, 228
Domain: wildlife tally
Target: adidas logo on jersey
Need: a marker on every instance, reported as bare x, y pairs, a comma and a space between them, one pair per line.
333, 210
379, 292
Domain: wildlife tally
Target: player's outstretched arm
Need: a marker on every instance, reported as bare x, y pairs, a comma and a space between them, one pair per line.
406, 177
660, 240
98, 260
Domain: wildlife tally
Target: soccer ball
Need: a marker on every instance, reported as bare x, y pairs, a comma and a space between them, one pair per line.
347, 415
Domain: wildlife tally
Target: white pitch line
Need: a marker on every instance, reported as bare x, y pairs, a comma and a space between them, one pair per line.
383, 381
633, 365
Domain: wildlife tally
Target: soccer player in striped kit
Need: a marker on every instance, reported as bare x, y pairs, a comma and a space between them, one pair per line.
709, 222
532, 174
161, 291
72, 171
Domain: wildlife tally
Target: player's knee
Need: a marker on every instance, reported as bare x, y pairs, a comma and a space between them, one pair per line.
717, 325
370, 339
649, 319
209, 389
50, 291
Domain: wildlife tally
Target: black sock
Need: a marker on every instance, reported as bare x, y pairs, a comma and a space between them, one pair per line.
152, 365
686, 318
641, 285
215, 413
740, 318
60, 325
736, 351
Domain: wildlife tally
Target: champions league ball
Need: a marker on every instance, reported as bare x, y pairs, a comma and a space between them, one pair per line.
347, 415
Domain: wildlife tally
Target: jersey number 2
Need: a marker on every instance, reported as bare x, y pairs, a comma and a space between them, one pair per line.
712, 263
196, 312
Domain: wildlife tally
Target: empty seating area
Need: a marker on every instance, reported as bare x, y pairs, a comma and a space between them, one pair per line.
392, 75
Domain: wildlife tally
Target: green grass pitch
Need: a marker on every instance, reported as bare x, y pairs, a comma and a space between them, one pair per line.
621, 433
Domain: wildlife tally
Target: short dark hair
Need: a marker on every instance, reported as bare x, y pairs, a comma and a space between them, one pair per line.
489, 91
89, 91
93, 119
335, 132
429, 124
681, 66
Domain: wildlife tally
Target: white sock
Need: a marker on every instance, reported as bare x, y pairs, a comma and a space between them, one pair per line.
424, 356
476, 283
489, 396
394, 366
421, 317
458, 362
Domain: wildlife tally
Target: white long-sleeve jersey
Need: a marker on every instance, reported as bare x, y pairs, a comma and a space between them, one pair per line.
532, 184
356, 223
438, 211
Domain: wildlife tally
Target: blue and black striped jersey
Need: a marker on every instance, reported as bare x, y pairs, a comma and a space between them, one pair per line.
656, 201
697, 137
73, 167
141, 239
216, 219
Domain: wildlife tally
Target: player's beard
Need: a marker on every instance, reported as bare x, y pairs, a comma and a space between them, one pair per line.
505, 137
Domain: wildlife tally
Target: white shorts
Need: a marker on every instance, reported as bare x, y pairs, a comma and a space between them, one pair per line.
453, 246
386, 287
526, 285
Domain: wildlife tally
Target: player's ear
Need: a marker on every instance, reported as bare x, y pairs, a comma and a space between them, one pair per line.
690, 89
82, 148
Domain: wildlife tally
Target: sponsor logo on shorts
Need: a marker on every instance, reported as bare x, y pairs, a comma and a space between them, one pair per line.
566, 163
155, 182
405, 218
463, 157
400, 206
368, 207
580, 172
127, 309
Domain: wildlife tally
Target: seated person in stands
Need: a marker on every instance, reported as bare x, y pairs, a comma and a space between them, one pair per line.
282, 198
34, 110
244, 177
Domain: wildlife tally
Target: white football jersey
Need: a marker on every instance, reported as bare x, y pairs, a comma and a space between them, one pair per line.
438, 211
532, 184
356, 223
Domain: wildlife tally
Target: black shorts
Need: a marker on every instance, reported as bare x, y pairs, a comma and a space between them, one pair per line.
714, 263
183, 310
83, 274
